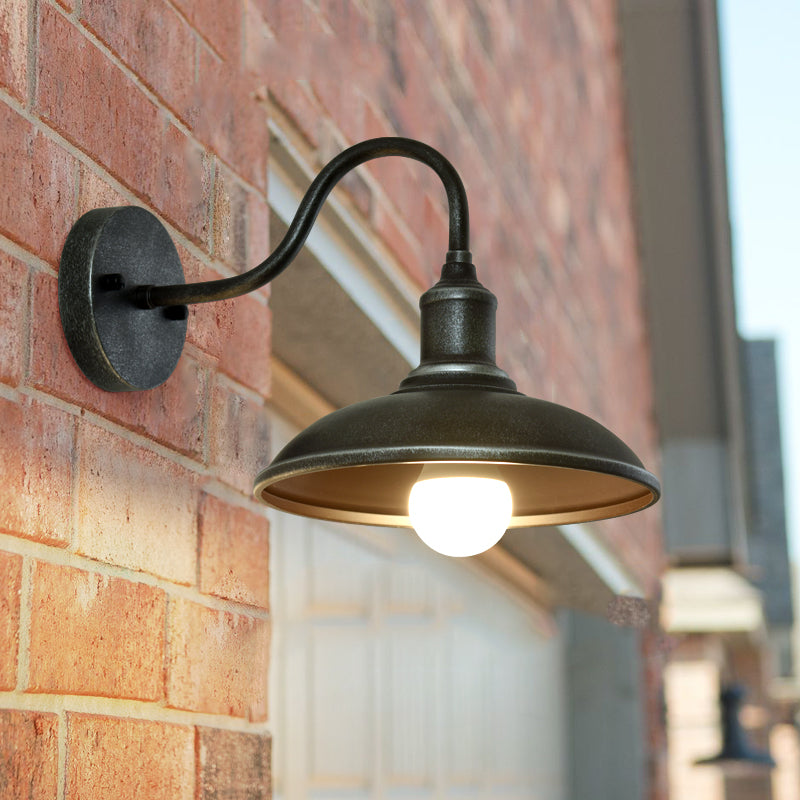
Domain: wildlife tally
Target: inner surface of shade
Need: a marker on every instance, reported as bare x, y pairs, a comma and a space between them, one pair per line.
377, 494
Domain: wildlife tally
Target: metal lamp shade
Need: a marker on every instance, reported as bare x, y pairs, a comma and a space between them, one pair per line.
359, 463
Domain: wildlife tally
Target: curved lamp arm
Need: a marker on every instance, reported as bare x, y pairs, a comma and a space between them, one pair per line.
121, 289
309, 208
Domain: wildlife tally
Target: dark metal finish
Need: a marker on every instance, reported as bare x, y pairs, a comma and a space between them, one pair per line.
111, 283
457, 334
309, 208
358, 464
125, 325
176, 312
97, 327
737, 752
119, 346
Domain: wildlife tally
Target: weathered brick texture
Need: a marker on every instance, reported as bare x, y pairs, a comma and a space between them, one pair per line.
239, 438
233, 765
28, 755
13, 319
38, 213
135, 508
234, 552
129, 759
217, 661
14, 47
37, 453
10, 587
95, 635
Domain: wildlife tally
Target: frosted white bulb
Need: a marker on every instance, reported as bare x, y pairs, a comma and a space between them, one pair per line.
460, 515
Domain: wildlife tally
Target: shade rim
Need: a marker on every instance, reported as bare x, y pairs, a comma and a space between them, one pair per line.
561, 465
286, 470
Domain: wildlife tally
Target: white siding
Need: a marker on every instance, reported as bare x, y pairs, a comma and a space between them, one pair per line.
398, 673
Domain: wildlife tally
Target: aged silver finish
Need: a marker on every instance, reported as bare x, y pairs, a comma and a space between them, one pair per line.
123, 304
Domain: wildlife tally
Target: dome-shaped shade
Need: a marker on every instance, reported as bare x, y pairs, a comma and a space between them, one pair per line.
359, 463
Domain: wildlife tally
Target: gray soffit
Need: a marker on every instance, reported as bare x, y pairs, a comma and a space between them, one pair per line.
319, 331
674, 108
767, 543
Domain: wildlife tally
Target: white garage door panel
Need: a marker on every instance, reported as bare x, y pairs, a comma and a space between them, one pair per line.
400, 675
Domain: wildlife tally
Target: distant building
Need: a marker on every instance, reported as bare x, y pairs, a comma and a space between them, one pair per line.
727, 601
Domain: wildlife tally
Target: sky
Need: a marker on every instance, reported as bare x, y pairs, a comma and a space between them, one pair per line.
759, 41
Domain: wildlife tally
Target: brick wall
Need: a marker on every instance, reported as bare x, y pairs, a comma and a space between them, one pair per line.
134, 631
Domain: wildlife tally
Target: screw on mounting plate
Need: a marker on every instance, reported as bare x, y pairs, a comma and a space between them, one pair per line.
176, 312
112, 282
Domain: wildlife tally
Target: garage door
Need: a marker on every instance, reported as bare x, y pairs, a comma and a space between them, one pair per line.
397, 673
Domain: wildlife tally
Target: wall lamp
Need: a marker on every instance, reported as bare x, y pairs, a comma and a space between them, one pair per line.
456, 452
737, 756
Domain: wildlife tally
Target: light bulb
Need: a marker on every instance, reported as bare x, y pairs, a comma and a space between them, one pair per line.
459, 514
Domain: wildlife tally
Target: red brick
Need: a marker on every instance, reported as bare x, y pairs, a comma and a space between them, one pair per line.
181, 187
245, 352
230, 119
406, 251
208, 322
10, 585
151, 38
258, 241
91, 634
234, 552
129, 759
259, 43
217, 661
37, 451
135, 508
230, 221
173, 413
94, 104
28, 755
233, 765
39, 212
239, 439
291, 22
221, 30
375, 124
299, 105
14, 47
95, 192
180, 191
13, 319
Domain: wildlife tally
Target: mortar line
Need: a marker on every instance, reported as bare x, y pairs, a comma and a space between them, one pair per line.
126, 709
24, 640
74, 519
31, 64
61, 787
149, 93
122, 189
60, 557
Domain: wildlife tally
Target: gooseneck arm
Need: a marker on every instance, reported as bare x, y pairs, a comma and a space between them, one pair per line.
121, 290
309, 208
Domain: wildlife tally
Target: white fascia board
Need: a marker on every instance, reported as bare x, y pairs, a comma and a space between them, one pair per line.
599, 557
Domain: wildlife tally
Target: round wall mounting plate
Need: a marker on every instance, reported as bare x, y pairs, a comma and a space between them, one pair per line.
108, 253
